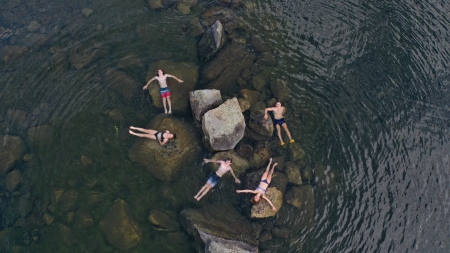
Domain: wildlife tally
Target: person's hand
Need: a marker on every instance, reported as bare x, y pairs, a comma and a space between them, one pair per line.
180, 81
145, 87
237, 181
206, 160
273, 208
266, 116
238, 191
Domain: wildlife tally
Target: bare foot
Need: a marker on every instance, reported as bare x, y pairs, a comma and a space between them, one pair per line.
275, 164
165, 111
132, 127
131, 132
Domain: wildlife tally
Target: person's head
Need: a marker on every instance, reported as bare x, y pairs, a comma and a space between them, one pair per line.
174, 136
256, 199
160, 72
278, 104
228, 160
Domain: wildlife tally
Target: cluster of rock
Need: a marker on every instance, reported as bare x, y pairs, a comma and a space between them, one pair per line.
227, 96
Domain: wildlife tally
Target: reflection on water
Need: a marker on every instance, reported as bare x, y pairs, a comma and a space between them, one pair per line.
370, 88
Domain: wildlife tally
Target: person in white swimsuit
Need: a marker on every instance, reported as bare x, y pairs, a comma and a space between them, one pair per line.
260, 191
214, 178
163, 89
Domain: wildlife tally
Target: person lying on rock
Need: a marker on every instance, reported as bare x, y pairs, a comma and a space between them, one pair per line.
161, 137
214, 178
260, 191
278, 112
163, 89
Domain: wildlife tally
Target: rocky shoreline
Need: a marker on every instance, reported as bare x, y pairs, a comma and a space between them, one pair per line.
226, 93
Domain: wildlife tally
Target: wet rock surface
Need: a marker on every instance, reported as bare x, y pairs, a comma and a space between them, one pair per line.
164, 162
119, 226
219, 228
224, 126
10, 152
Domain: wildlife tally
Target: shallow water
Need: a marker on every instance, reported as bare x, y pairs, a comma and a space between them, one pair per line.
370, 86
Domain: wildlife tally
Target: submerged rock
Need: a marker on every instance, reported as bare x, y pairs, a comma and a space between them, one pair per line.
40, 135
122, 83
163, 220
224, 69
280, 90
10, 152
203, 101
119, 226
224, 126
219, 228
13, 180
186, 71
164, 162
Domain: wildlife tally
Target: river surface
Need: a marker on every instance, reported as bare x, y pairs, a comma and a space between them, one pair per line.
370, 85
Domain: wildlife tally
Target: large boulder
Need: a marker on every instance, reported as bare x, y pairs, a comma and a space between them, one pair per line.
203, 101
186, 71
224, 69
260, 125
212, 40
224, 126
219, 228
11, 150
263, 209
164, 162
119, 226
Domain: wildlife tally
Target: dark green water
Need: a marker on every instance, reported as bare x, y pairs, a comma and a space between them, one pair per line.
370, 84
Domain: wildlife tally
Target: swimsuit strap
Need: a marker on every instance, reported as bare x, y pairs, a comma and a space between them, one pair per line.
162, 136
264, 181
156, 135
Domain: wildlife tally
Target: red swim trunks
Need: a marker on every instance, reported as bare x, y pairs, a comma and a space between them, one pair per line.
165, 92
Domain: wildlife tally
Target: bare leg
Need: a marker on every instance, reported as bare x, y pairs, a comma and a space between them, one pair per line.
170, 105
164, 103
269, 177
140, 129
279, 133
140, 135
202, 191
266, 172
287, 131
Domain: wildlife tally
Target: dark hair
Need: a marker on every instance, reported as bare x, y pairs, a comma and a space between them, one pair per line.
159, 70
229, 159
174, 136
253, 201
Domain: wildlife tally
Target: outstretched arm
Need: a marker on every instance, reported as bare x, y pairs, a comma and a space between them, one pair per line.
149, 81
179, 80
266, 110
246, 191
235, 178
270, 202
212, 161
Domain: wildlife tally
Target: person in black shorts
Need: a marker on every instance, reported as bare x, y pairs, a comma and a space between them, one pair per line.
215, 177
278, 120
